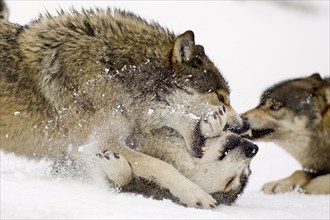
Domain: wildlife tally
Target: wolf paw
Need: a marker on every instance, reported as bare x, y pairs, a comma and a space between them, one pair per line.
197, 198
213, 121
279, 187
116, 167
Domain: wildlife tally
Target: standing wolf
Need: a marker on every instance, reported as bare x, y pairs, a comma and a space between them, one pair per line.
110, 76
296, 115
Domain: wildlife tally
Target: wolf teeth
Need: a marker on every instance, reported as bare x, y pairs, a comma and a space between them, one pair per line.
249, 132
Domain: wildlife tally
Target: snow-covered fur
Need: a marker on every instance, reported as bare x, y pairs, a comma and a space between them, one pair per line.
111, 75
223, 170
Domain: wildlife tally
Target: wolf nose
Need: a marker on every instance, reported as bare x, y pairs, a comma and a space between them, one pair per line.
250, 149
239, 129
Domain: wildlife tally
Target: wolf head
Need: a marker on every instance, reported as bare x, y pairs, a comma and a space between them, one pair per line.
196, 70
291, 112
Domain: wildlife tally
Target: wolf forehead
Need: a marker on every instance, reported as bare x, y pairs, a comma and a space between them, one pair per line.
124, 38
295, 94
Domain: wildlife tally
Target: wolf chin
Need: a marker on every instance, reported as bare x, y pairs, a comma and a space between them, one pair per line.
295, 114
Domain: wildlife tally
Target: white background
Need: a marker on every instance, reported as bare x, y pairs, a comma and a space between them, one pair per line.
255, 44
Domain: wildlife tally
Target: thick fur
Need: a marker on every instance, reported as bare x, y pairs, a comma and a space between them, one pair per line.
295, 114
109, 76
223, 170
3, 10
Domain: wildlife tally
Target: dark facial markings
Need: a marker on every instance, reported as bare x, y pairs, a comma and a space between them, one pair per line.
221, 98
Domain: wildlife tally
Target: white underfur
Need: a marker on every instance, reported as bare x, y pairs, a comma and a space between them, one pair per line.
187, 177
117, 169
210, 173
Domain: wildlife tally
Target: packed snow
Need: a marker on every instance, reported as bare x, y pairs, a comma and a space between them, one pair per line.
254, 44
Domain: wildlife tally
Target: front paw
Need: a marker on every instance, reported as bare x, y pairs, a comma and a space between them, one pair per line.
281, 186
209, 126
213, 121
116, 167
194, 196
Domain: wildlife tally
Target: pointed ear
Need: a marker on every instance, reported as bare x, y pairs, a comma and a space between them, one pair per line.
183, 47
316, 76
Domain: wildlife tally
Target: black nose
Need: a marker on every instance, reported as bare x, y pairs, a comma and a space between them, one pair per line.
250, 149
239, 130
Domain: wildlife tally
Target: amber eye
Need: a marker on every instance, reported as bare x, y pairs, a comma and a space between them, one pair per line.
221, 98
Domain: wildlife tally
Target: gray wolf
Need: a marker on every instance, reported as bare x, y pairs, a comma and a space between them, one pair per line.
295, 114
3, 10
110, 77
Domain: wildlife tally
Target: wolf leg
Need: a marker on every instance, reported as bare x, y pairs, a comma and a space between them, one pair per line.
213, 121
297, 180
166, 176
318, 185
116, 167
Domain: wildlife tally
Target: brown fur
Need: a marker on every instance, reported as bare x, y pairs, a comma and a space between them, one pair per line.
109, 75
295, 115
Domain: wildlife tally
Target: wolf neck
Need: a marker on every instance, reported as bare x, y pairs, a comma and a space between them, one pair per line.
310, 151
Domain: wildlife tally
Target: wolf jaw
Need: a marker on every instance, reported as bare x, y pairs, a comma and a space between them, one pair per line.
253, 134
295, 114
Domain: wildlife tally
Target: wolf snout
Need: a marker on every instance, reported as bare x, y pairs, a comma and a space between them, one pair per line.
250, 149
244, 127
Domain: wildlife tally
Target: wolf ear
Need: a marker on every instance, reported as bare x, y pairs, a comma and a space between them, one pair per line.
316, 76
183, 47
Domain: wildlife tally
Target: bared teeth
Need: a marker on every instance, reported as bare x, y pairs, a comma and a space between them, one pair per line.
249, 132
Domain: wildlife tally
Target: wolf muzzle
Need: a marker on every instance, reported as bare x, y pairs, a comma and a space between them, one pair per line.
239, 130
250, 149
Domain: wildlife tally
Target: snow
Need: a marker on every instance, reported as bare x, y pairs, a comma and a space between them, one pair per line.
150, 111
254, 44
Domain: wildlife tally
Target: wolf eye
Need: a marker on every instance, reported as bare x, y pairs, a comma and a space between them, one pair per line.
221, 98
276, 106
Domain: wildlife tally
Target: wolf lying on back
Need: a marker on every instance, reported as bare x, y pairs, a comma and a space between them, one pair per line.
223, 170
112, 76
296, 115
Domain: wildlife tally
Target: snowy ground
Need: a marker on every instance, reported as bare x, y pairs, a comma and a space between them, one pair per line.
255, 44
